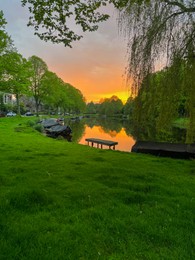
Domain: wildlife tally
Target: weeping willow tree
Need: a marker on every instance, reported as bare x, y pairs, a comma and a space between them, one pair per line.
190, 81
162, 34
158, 32
156, 104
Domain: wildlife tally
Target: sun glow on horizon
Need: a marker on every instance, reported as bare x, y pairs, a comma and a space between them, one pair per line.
97, 87
123, 95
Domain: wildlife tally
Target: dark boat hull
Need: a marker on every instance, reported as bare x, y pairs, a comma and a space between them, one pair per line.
173, 150
54, 128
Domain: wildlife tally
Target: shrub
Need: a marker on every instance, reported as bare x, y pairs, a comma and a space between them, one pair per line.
39, 128
31, 123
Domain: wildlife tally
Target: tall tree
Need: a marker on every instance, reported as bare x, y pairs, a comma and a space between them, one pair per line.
128, 107
5, 40
162, 31
50, 90
76, 99
162, 98
91, 108
13, 67
39, 68
111, 106
16, 75
57, 94
6, 43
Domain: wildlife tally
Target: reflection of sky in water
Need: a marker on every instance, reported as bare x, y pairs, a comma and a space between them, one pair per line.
124, 142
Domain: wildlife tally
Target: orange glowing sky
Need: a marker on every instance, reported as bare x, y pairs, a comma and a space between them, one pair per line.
95, 64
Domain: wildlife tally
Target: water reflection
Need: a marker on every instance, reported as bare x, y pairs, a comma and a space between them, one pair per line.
124, 142
121, 131
173, 135
107, 129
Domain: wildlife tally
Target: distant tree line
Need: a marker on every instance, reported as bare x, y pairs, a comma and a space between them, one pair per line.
112, 106
31, 78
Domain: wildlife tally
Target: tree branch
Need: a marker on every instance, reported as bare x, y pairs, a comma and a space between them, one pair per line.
181, 6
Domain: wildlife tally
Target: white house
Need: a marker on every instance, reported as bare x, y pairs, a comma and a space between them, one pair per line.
8, 98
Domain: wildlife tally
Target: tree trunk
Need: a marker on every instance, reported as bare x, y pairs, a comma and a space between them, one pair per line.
18, 104
37, 106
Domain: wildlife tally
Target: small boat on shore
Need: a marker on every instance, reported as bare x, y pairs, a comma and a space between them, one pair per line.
173, 150
55, 127
57, 130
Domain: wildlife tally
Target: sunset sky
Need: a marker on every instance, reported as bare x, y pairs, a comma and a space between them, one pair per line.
95, 64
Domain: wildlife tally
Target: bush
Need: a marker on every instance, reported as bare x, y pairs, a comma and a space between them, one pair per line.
31, 123
39, 128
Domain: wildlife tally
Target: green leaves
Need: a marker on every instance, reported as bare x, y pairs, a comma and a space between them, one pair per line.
56, 94
50, 19
5, 40
38, 69
15, 75
111, 106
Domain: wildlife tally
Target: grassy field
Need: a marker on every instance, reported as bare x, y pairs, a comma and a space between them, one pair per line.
61, 200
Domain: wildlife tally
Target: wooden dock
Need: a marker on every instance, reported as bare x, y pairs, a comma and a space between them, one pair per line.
101, 142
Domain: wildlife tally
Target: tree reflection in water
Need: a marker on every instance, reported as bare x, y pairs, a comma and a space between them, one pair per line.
121, 131
102, 128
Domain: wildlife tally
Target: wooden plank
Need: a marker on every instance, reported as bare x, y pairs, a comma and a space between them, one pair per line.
101, 142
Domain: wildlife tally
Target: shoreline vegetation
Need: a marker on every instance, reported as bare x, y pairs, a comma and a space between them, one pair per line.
181, 123
61, 200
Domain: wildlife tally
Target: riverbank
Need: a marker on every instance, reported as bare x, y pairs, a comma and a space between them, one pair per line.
61, 200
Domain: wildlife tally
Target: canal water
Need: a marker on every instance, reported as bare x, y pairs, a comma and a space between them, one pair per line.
125, 142
106, 129
118, 130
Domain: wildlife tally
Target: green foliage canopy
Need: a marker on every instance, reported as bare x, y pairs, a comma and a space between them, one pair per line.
57, 94
38, 67
16, 75
111, 106
91, 108
5, 40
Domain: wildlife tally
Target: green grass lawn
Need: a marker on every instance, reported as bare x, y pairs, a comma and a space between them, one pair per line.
61, 200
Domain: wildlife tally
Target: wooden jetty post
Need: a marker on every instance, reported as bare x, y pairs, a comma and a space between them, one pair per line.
101, 142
